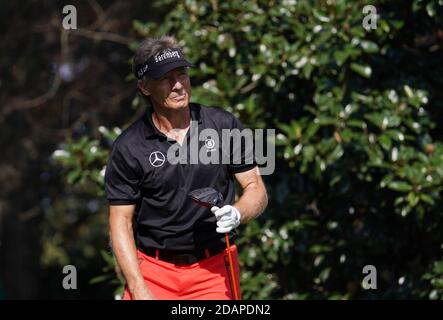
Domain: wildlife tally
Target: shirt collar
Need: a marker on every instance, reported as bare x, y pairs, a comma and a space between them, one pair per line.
151, 130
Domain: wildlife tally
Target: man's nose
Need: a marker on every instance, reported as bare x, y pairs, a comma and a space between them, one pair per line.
176, 84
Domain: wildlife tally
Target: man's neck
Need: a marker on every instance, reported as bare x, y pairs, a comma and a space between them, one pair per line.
167, 119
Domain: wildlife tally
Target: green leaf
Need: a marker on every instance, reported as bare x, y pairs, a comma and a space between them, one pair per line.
385, 142
438, 267
437, 283
369, 46
430, 9
74, 176
426, 198
324, 275
413, 199
386, 180
107, 257
312, 129
408, 91
99, 279
340, 57
309, 152
363, 70
399, 186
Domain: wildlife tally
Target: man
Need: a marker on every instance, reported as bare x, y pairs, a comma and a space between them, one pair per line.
166, 246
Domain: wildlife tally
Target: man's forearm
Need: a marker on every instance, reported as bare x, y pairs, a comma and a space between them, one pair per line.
253, 201
126, 254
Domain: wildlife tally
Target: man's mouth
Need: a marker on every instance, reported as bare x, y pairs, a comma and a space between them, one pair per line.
180, 97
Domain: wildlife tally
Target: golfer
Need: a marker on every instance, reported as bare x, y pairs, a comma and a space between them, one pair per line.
167, 246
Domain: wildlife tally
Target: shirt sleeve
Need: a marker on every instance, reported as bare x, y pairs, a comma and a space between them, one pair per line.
122, 177
242, 157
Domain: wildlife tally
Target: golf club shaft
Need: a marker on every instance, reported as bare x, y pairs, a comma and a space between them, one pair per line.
234, 284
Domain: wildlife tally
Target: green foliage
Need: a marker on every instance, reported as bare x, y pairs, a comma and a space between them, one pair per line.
435, 276
359, 168
110, 270
76, 228
85, 159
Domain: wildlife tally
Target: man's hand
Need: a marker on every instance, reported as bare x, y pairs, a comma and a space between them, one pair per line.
141, 293
228, 218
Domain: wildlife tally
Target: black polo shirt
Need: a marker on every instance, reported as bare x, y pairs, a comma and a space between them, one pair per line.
138, 172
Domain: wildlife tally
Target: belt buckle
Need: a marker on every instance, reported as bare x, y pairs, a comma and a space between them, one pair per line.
183, 259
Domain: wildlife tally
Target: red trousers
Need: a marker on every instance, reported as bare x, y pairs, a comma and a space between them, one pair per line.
207, 279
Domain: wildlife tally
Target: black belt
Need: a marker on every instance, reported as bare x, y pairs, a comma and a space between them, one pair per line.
181, 257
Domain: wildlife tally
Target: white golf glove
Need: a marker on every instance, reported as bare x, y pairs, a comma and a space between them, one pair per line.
228, 218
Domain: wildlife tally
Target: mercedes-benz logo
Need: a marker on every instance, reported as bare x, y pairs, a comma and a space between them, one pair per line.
157, 159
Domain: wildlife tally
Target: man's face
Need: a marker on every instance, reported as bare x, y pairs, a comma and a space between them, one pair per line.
172, 91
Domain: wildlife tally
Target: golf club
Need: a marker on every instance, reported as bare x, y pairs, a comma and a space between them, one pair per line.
209, 197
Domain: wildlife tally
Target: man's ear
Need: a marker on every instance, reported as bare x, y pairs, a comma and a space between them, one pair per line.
143, 87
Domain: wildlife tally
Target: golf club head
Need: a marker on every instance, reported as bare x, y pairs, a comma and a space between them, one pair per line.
206, 197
